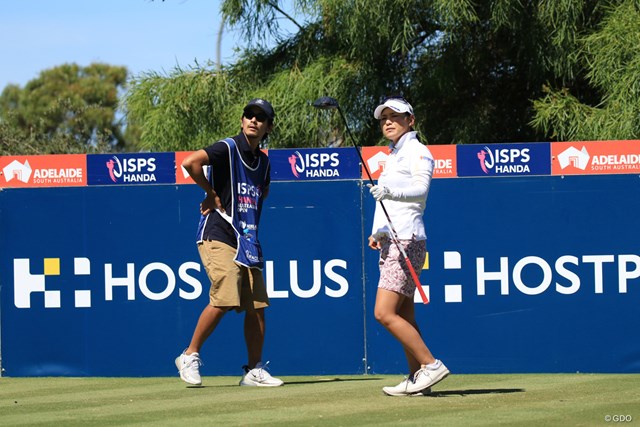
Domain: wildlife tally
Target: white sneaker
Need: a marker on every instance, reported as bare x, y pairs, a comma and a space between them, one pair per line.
401, 390
425, 392
189, 368
425, 377
259, 376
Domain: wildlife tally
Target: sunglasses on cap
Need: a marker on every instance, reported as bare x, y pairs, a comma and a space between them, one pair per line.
261, 116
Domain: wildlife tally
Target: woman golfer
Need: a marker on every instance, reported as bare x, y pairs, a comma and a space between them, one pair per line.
403, 186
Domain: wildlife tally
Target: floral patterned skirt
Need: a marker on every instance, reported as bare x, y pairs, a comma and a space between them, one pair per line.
394, 272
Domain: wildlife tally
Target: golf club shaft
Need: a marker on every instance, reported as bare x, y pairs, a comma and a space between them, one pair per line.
394, 234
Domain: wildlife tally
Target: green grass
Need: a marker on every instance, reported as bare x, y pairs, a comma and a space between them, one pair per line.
464, 400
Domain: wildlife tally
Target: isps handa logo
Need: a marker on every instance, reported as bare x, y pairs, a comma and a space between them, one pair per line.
512, 160
504, 159
314, 165
131, 170
138, 168
54, 284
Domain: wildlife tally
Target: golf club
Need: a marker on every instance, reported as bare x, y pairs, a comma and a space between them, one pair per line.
329, 103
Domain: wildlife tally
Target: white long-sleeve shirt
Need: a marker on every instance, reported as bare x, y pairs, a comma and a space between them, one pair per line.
407, 174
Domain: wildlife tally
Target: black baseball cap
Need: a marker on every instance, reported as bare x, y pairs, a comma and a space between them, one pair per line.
263, 105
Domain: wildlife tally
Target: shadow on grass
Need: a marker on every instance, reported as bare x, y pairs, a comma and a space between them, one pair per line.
287, 383
446, 393
329, 380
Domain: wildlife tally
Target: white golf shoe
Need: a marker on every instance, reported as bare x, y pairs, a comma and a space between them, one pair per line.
426, 377
259, 377
189, 368
401, 390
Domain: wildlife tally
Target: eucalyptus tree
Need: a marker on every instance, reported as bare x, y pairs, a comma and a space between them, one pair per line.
67, 108
611, 58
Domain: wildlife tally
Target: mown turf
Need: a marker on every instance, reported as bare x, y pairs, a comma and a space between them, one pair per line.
460, 400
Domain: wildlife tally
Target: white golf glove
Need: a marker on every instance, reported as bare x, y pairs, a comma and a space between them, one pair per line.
379, 192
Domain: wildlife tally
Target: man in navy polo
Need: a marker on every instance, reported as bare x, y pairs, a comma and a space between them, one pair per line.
235, 186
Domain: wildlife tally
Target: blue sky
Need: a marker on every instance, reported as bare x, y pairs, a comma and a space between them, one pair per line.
142, 35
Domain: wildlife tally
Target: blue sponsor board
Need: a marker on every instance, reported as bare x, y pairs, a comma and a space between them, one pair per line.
131, 168
498, 304
92, 288
314, 164
504, 159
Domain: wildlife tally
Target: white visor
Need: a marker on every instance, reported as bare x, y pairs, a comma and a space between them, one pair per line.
397, 105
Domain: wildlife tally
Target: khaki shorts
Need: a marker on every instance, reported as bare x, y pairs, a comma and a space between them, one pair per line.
232, 285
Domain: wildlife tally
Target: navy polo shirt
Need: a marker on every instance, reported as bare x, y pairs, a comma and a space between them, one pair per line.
216, 227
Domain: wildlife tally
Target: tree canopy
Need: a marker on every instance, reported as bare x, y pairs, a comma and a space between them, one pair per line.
475, 72
611, 61
68, 108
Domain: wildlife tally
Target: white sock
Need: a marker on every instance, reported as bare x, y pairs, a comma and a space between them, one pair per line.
434, 365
